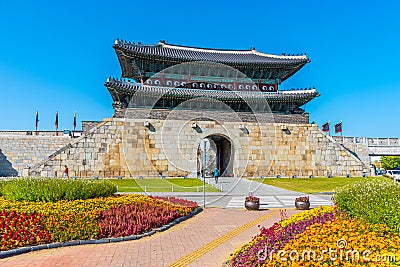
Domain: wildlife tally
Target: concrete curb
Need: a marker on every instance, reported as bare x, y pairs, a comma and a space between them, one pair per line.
22, 250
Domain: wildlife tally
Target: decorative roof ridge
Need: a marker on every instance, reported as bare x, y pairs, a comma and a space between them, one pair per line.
250, 51
116, 79
280, 56
128, 43
299, 91
207, 50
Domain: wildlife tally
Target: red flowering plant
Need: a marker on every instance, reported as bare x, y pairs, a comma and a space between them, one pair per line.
303, 199
252, 198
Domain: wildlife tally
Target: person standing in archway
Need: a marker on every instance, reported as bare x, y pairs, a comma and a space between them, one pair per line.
216, 174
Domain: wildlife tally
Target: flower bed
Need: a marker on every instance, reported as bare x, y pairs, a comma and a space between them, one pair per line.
113, 216
134, 219
341, 242
20, 229
277, 236
321, 237
361, 230
178, 201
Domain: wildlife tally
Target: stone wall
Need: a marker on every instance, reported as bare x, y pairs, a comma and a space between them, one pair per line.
20, 151
360, 150
98, 152
153, 147
87, 125
226, 116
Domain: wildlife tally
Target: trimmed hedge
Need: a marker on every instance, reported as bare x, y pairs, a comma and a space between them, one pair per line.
53, 190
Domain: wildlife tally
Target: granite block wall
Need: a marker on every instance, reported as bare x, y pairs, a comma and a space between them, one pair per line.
21, 151
133, 146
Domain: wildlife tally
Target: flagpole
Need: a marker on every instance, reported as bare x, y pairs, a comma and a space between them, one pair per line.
341, 128
56, 123
329, 127
74, 121
37, 121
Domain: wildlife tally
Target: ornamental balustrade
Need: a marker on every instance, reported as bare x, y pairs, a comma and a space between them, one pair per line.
370, 141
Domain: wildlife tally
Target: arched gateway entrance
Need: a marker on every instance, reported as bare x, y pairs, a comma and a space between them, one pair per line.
215, 151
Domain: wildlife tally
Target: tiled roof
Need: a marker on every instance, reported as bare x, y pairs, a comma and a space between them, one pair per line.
185, 53
118, 87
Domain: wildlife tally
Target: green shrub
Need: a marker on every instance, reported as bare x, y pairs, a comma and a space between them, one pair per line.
2, 183
52, 190
390, 162
374, 201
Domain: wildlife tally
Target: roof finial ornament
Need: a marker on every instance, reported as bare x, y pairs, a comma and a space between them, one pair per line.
162, 42
252, 48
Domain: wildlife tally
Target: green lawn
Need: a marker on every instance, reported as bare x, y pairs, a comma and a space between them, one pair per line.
162, 185
314, 185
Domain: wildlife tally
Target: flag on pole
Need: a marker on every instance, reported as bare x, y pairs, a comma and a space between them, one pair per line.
74, 121
37, 120
338, 127
325, 127
56, 123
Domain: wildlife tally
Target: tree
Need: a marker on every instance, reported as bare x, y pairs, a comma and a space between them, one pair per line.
390, 162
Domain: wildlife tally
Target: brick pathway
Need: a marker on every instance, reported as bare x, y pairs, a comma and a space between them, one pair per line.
204, 240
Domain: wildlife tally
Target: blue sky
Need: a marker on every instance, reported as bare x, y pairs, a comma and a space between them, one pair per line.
56, 55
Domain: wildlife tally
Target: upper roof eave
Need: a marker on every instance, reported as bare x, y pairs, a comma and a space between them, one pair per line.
129, 87
177, 52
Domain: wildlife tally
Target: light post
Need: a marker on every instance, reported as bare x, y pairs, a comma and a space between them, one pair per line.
204, 147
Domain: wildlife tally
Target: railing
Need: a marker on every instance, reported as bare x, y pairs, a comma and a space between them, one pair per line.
370, 141
146, 188
211, 182
169, 189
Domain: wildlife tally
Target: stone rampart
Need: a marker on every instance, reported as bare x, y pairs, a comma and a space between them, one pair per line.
19, 151
154, 147
223, 115
87, 125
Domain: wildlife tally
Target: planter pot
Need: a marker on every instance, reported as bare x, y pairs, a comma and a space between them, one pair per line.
252, 205
302, 205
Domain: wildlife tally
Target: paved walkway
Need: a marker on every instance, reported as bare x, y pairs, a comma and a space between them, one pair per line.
236, 189
204, 240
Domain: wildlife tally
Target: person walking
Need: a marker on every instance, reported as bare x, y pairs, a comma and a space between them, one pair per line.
216, 174
66, 171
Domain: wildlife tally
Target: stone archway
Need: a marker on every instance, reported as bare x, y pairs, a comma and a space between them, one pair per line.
215, 151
